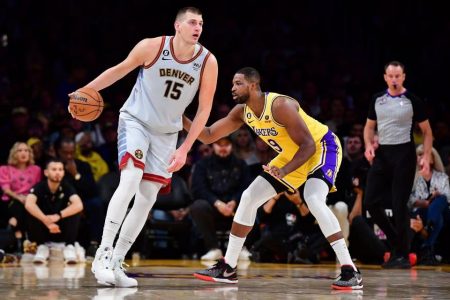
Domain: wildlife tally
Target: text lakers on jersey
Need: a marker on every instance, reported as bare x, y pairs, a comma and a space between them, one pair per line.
265, 131
275, 134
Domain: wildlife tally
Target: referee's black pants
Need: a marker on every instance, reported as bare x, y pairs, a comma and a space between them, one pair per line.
392, 173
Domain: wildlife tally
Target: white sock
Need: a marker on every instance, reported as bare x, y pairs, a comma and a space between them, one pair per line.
109, 233
341, 250
123, 244
234, 248
136, 218
130, 177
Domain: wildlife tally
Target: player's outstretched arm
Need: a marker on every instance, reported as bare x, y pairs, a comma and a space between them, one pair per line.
142, 54
223, 127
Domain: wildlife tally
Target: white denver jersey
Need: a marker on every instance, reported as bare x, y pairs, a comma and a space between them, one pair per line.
164, 89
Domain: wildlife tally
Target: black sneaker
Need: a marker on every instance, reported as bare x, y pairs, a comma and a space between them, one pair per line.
427, 257
397, 262
348, 280
91, 250
220, 272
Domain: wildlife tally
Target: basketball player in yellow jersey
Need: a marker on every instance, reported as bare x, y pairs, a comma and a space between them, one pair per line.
309, 155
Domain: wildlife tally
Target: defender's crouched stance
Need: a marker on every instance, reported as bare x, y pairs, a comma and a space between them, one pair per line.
308, 154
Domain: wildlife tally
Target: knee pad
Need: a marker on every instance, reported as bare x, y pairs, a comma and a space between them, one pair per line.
315, 193
259, 191
245, 214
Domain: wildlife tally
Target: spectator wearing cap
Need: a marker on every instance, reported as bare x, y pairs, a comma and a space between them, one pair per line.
218, 181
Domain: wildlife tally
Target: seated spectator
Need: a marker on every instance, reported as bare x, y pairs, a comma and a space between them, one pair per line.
39, 152
346, 202
204, 150
78, 173
244, 146
170, 218
108, 150
54, 213
263, 151
16, 180
264, 154
430, 200
217, 185
85, 152
288, 232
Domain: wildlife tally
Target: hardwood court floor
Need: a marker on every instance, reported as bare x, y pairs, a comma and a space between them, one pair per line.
172, 279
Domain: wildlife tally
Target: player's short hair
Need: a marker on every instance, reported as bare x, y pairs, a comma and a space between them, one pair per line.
394, 63
250, 74
185, 10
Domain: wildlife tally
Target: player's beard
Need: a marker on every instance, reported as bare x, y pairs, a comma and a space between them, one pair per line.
242, 99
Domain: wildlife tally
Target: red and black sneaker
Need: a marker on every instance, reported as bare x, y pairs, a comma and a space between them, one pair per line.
220, 272
348, 280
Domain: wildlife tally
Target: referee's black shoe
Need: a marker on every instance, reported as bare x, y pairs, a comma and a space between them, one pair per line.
397, 262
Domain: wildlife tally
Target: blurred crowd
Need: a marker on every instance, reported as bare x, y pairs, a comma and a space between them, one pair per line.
329, 56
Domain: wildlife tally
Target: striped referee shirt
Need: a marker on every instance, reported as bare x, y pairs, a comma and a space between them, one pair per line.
395, 116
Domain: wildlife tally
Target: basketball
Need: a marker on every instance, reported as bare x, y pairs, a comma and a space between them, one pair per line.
86, 104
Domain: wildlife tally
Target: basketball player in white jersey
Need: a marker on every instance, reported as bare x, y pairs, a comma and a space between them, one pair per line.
172, 70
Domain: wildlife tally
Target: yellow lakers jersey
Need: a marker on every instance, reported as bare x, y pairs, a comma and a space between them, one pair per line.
276, 134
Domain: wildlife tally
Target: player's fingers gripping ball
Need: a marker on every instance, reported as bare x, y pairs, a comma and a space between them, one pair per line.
85, 104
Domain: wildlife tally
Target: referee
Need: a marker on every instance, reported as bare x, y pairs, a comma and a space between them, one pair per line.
393, 112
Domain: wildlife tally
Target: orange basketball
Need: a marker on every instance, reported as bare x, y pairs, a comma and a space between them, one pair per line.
86, 104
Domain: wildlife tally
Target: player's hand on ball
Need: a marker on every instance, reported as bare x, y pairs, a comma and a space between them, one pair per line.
85, 104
